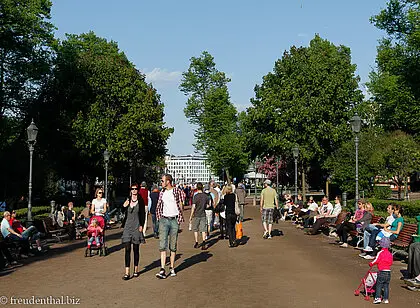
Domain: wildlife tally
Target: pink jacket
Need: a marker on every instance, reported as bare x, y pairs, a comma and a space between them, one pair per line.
94, 231
383, 260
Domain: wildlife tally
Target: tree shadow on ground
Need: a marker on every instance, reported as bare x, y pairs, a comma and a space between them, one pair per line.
195, 259
247, 219
156, 264
115, 248
277, 232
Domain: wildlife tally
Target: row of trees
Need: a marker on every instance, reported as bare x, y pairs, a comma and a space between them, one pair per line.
308, 100
85, 96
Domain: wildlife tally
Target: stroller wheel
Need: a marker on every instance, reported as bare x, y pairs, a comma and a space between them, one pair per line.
86, 252
357, 292
367, 298
104, 251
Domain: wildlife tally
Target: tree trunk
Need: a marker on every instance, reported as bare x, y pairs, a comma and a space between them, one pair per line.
228, 176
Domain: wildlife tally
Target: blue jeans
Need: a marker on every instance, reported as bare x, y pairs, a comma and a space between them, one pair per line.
96, 239
30, 233
168, 230
155, 224
382, 282
367, 234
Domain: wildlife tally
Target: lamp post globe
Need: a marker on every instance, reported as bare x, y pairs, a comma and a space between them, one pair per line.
32, 132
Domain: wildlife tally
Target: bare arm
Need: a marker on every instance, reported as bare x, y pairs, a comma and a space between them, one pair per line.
192, 212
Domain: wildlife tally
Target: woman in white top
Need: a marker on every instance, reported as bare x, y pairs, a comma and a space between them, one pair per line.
99, 204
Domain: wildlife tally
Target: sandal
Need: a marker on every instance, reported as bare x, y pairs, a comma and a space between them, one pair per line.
136, 274
126, 277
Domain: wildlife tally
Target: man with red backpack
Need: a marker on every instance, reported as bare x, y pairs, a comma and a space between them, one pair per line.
145, 194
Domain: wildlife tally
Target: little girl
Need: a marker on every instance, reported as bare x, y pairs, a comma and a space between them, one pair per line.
384, 261
94, 231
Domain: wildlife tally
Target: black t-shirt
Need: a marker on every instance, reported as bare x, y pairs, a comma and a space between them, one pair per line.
229, 202
200, 200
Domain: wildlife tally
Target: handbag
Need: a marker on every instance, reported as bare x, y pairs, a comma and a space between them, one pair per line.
237, 208
239, 230
220, 207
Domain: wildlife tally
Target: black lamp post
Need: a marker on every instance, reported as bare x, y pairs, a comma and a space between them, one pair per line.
356, 123
32, 131
295, 152
106, 160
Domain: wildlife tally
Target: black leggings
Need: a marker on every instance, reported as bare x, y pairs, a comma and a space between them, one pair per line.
230, 228
136, 250
345, 228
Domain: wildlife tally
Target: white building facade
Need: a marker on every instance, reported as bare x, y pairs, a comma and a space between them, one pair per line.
187, 169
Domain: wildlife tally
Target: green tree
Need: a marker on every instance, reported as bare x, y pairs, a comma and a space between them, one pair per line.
98, 100
307, 100
210, 110
26, 37
401, 157
394, 83
341, 163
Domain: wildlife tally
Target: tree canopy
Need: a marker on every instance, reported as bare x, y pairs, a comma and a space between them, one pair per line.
209, 108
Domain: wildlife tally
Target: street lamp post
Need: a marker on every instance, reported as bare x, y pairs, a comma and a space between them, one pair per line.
106, 160
355, 127
32, 131
295, 152
277, 175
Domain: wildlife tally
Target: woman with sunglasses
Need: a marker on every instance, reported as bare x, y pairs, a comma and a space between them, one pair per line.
99, 204
133, 223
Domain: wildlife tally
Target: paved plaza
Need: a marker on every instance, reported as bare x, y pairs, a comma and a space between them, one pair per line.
293, 270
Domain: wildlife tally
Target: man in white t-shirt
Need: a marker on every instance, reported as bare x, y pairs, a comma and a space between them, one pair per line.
169, 215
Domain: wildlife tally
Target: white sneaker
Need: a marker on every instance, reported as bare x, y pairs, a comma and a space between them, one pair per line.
377, 301
368, 248
385, 301
369, 257
172, 272
269, 236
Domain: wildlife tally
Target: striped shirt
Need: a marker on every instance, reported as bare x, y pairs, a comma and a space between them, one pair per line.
179, 199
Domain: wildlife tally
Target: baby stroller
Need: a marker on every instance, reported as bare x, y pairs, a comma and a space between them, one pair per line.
367, 284
101, 249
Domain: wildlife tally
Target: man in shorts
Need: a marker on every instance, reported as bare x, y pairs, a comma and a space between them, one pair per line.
267, 203
198, 218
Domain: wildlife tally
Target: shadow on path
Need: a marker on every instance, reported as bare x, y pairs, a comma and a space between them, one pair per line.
277, 232
195, 259
156, 264
244, 240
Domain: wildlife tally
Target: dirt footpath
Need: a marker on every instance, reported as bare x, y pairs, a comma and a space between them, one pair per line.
293, 270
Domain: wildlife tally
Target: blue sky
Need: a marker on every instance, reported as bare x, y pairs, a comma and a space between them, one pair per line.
245, 37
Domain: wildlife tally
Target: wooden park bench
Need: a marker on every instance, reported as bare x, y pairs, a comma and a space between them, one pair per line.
359, 234
54, 231
340, 219
405, 238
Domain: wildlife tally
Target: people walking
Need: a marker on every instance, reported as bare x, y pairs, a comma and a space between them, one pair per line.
154, 197
145, 194
169, 215
267, 203
198, 216
241, 193
231, 217
133, 229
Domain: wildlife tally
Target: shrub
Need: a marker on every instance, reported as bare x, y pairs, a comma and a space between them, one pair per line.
382, 192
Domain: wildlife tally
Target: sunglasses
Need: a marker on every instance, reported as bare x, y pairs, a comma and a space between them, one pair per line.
134, 188
162, 181
100, 193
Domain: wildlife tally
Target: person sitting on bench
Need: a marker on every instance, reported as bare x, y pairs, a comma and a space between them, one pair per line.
11, 235
30, 233
328, 217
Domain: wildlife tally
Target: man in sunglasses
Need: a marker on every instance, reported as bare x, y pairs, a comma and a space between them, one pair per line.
169, 215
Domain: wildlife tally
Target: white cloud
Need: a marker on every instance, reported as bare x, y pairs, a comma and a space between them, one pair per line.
158, 75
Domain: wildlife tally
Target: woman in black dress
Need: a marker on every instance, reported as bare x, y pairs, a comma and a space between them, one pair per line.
133, 227
231, 217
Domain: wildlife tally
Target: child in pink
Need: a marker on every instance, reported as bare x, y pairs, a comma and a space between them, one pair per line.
384, 262
94, 231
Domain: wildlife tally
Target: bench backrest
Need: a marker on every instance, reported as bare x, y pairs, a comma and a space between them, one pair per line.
406, 233
341, 217
375, 219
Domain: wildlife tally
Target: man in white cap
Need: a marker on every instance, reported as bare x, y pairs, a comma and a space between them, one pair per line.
267, 203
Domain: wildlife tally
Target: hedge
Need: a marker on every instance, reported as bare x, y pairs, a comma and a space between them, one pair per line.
411, 209
38, 212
